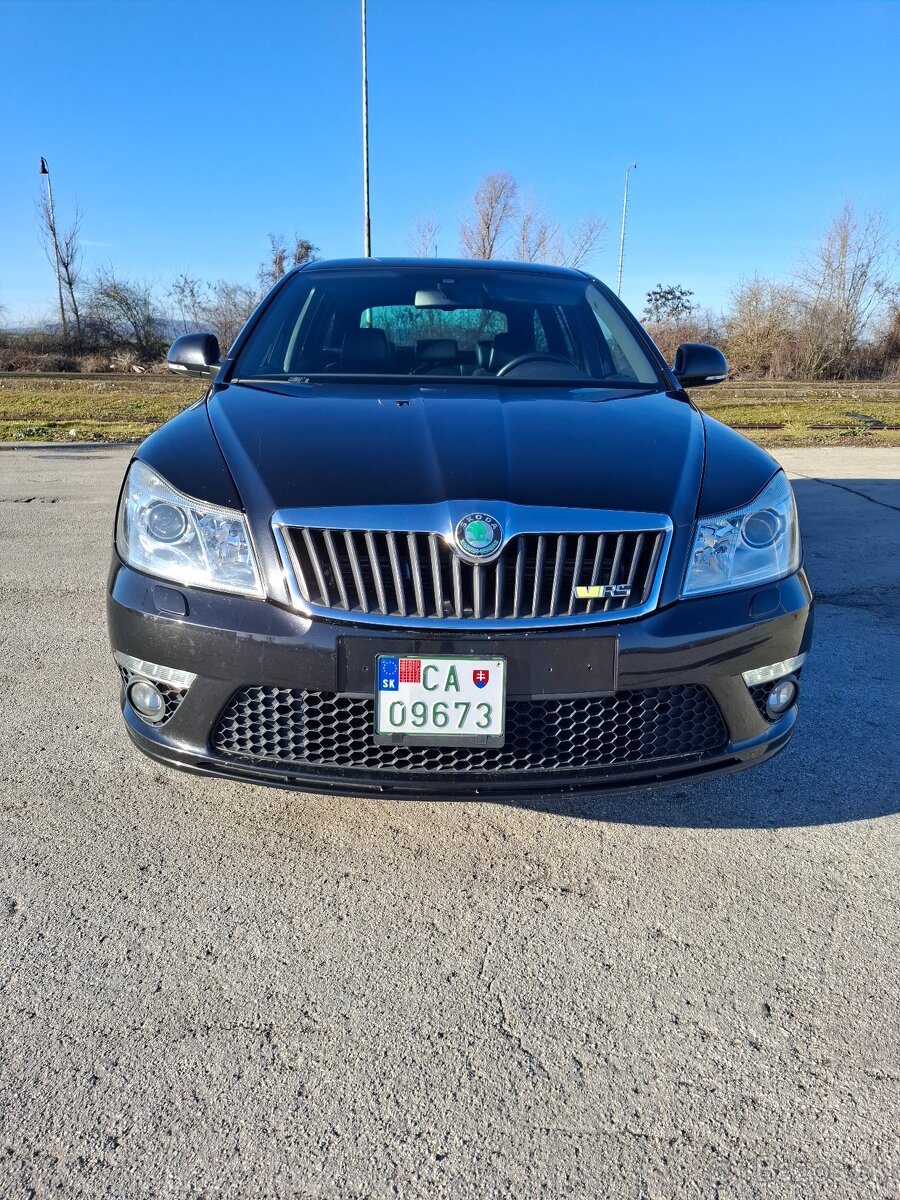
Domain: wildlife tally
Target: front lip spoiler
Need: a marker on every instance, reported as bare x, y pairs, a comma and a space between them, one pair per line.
612, 781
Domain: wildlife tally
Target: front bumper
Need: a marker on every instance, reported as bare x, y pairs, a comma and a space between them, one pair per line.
232, 643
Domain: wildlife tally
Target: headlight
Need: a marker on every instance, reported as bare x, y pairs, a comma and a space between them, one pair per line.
172, 536
751, 545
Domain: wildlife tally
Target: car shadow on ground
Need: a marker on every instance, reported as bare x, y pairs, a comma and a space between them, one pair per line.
843, 763
773, 796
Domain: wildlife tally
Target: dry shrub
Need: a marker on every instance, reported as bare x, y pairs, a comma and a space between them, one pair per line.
28, 360
97, 364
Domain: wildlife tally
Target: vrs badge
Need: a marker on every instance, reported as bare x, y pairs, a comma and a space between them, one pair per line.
478, 536
603, 591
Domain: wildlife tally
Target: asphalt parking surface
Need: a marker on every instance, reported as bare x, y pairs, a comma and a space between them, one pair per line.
210, 989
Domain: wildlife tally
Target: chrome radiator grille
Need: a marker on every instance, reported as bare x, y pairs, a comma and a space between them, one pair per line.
415, 577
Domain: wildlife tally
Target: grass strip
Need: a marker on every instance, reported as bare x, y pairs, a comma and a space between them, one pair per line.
772, 413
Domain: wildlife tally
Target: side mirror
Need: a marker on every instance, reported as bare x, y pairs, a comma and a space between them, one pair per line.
697, 365
195, 354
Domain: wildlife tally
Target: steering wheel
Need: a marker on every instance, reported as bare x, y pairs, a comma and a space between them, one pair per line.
533, 356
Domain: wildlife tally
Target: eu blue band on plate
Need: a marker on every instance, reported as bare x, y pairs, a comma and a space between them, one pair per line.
388, 674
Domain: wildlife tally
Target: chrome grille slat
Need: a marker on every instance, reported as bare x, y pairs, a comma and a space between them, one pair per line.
377, 577
595, 572
350, 543
416, 570
499, 581
477, 590
415, 576
317, 567
336, 570
557, 573
632, 570
576, 572
520, 577
614, 572
437, 583
538, 575
651, 569
456, 567
396, 572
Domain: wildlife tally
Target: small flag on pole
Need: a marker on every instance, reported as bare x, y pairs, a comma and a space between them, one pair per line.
45, 170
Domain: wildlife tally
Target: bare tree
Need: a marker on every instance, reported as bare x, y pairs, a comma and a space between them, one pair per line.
63, 250
188, 294
538, 236
281, 255
760, 328
227, 309
221, 308
887, 337
503, 220
123, 312
70, 267
584, 240
273, 268
841, 284
494, 211
303, 252
422, 242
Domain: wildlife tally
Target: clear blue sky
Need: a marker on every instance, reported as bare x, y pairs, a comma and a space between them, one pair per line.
187, 131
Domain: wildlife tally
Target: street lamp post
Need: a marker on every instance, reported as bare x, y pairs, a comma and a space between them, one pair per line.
367, 226
631, 166
45, 170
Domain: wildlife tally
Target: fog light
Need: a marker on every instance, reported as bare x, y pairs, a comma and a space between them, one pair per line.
781, 697
147, 699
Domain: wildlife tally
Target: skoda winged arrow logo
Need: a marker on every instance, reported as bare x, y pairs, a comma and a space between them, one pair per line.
478, 536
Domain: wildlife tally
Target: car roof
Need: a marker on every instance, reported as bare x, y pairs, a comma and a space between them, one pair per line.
441, 264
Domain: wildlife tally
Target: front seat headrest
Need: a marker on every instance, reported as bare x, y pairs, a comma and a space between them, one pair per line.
366, 348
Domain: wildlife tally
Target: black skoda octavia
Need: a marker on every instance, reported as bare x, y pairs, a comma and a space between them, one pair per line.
454, 528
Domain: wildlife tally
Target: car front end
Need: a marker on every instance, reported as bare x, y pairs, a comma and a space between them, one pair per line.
363, 583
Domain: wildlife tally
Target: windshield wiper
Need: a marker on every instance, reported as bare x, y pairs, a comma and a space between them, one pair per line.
573, 385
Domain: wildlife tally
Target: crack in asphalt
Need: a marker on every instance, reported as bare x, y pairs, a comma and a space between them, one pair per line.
880, 601
29, 500
844, 488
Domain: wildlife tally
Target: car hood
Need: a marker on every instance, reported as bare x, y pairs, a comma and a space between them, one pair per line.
315, 447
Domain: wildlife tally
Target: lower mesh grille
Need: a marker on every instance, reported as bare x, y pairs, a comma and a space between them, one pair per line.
759, 694
324, 729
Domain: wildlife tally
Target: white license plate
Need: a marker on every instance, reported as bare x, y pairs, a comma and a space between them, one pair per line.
440, 701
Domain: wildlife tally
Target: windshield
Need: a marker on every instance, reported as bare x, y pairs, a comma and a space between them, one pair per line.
491, 325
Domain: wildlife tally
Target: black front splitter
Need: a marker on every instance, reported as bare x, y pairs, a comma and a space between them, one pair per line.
432, 786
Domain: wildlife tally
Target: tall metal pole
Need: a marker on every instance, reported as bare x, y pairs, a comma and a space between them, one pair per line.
45, 170
622, 238
367, 225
